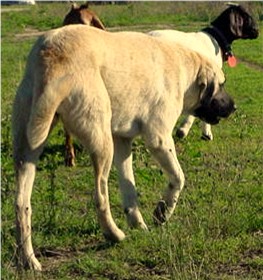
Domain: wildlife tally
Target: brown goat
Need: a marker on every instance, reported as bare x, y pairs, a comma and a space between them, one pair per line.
82, 15
78, 15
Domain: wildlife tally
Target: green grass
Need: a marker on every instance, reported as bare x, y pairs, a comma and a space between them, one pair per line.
216, 230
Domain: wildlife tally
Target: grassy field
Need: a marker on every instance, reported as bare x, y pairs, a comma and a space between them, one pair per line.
216, 232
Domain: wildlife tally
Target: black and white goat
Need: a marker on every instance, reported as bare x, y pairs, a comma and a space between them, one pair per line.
214, 42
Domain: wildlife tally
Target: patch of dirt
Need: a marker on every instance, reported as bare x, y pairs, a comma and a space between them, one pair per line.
142, 28
250, 64
5, 10
29, 32
32, 32
245, 266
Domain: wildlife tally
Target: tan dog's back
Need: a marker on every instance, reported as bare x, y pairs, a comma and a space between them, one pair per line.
126, 68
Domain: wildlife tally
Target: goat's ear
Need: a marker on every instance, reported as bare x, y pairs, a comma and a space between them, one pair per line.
236, 23
74, 5
86, 5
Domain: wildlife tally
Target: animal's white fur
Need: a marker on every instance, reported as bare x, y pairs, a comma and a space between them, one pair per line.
108, 88
207, 46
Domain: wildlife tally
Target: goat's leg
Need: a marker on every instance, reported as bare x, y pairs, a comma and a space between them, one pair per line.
123, 163
206, 132
185, 127
69, 150
102, 159
164, 152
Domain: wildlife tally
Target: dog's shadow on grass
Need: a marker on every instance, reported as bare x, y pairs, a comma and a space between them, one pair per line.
100, 246
57, 253
54, 257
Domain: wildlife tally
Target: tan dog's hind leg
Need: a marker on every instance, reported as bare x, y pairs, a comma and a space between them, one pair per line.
25, 178
87, 115
123, 162
102, 160
25, 167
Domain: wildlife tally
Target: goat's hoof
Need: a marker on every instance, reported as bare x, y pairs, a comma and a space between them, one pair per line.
180, 133
207, 137
159, 214
70, 162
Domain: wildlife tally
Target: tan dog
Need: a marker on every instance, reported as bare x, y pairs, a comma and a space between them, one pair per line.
110, 89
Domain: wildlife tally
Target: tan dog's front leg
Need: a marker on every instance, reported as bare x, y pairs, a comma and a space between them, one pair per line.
165, 154
123, 163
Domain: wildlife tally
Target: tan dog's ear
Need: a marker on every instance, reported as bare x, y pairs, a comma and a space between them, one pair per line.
209, 77
205, 82
219, 74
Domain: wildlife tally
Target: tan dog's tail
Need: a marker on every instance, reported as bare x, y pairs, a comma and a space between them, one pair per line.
44, 108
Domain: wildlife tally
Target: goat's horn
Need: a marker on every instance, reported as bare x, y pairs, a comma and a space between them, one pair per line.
232, 4
86, 4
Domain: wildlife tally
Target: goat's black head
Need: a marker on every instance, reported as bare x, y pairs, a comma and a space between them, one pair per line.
236, 23
76, 14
